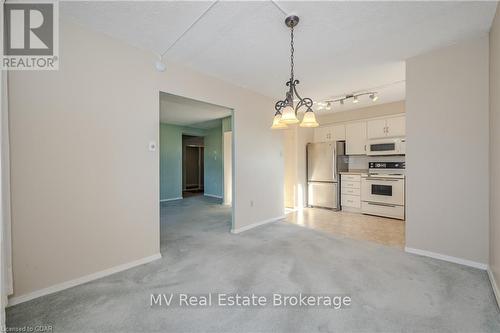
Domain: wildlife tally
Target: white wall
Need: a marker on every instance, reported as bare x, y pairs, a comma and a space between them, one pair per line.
296, 139
85, 187
447, 151
495, 149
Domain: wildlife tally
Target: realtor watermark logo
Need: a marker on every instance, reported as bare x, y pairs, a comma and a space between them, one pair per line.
30, 36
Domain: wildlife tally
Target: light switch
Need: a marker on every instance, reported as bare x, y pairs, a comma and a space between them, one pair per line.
152, 146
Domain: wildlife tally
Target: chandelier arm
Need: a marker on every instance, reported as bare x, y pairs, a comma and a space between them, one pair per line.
280, 105
302, 101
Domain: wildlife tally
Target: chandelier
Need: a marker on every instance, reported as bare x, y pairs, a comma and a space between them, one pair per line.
286, 112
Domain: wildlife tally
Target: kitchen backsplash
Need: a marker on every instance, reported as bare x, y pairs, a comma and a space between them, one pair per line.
359, 162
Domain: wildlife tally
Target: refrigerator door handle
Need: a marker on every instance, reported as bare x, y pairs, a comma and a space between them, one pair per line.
334, 164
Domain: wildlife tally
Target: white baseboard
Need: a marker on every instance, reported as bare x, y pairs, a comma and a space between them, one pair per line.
173, 199
212, 195
254, 225
444, 257
81, 280
494, 285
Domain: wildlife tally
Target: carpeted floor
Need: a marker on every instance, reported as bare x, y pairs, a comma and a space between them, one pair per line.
391, 291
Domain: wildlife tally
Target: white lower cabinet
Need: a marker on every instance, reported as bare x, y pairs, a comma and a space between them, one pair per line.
352, 201
350, 192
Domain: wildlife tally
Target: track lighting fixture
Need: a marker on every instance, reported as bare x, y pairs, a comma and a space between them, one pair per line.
373, 95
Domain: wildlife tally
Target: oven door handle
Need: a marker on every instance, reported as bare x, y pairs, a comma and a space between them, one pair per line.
384, 179
381, 204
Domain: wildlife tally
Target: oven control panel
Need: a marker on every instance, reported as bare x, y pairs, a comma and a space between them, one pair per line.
386, 165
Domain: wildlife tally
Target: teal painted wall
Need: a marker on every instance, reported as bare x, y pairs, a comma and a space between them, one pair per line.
171, 160
214, 163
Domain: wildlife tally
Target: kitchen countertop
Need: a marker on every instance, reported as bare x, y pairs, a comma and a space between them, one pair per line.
355, 172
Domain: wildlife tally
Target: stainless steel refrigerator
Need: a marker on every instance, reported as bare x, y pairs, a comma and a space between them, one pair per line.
325, 160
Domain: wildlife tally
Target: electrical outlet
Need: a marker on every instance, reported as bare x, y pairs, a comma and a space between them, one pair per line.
152, 146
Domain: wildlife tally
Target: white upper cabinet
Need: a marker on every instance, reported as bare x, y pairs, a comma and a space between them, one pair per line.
322, 134
376, 128
396, 126
388, 127
355, 135
329, 133
338, 132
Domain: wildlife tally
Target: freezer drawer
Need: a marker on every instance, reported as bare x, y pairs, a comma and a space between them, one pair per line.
322, 195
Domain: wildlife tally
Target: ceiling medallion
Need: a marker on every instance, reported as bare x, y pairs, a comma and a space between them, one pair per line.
286, 112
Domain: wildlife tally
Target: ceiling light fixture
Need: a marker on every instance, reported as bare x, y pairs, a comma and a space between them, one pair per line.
373, 97
355, 98
160, 65
286, 112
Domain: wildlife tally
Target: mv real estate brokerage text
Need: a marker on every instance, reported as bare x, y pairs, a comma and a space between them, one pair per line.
335, 302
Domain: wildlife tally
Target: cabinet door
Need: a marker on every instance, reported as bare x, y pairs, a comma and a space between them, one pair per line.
338, 132
376, 129
319, 134
396, 126
323, 134
355, 137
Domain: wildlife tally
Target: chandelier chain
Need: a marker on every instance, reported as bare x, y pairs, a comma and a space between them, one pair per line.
292, 49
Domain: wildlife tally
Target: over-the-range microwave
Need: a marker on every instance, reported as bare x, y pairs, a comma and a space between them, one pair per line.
389, 146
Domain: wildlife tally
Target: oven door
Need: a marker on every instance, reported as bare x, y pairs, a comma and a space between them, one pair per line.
383, 190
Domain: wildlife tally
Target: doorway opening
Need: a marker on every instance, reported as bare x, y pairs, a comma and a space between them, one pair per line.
196, 162
192, 166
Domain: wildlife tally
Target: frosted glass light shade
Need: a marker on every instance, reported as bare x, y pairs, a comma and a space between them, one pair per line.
309, 119
277, 123
288, 115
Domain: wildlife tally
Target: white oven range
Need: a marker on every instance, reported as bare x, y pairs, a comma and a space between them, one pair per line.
383, 190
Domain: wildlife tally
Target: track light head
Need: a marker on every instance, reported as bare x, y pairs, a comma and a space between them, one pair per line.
355, 99
373, 97
329, 106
